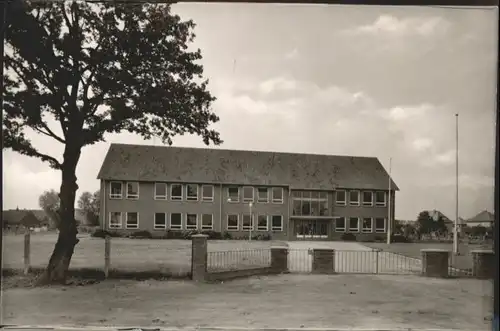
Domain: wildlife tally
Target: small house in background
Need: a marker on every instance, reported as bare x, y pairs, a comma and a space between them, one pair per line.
484, 218
21, 219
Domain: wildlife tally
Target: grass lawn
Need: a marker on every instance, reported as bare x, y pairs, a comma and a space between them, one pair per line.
294, 301
464, 261
128, 255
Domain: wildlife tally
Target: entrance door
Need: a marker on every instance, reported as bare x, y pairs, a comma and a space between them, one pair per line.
311, 229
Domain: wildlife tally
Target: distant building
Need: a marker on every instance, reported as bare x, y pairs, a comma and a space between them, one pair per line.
16, 219
484, 218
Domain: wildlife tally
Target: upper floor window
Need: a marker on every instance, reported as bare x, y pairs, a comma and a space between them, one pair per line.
192, 192
380, 198
310, 203
207, 193
367, 198
160, 191
248, 194
233, 194
132, 190
262, 194
277, 195
340, 197
115, 191
354, 198
176, 192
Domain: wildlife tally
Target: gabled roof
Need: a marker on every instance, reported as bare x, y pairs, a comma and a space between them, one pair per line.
436, 213
484, 216
20, 217
219, 166
14, 216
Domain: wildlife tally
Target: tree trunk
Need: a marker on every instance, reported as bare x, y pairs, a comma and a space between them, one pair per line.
57, 269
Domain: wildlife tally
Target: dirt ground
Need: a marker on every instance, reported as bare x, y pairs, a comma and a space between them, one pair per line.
294, 301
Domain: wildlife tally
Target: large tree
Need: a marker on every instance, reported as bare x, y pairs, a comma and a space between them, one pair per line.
76, 71
49, 202
89, 203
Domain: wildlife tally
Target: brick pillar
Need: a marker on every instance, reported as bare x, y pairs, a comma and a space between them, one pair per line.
483, 263
435, 262
323, 261
279, 259
199, 257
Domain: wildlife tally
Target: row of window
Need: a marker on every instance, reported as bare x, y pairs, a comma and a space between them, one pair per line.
178, 221
190, 192
357, 198
358, 224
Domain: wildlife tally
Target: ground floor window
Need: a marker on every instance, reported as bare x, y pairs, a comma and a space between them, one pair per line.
353, 224
262, 223
132, 221
380, 225
160, 221
340, 224
207, 222
277, 223
176, 221
233, 222
247, 222
191, 222
367, 224
115, 220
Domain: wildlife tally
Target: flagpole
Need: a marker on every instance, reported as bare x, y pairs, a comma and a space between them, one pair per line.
455, 232
389, 223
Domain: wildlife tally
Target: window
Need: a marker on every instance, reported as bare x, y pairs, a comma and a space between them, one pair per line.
354, 198
277, 195
367, 224
233, 194
192, 192
207, 222
160, 221
380, 198
176, 192
380, 225
160, 191
133, 190
248, 194
310, 203
233, 222
132, 221
115, 191
277, 223
340, 197
191, 222
353, 224
262, 195
262, 223
340, 224
247, 222
207, 193
115, 220
367, 198
176, 221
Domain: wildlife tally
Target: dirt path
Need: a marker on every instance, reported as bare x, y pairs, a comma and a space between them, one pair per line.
341, 301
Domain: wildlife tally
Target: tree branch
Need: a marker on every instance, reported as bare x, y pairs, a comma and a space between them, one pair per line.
50, 133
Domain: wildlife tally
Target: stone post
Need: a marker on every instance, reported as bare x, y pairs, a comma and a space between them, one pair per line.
483, 265
279, 259
435, 262
27, 254
107, 255
323, 261
199, 257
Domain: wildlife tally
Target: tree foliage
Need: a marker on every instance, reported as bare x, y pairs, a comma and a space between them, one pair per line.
89, 203
49, 202
77, 71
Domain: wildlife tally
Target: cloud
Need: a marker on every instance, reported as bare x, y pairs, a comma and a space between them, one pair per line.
422, 144
388, 25
292, 55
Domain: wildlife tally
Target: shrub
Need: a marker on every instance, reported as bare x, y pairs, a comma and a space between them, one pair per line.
380, 239
212, 235
264, 237
100, 233
348, 237
398, 238
227, 236
143, 234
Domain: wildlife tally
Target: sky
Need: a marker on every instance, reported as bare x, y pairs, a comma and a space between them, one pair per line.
343, 80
